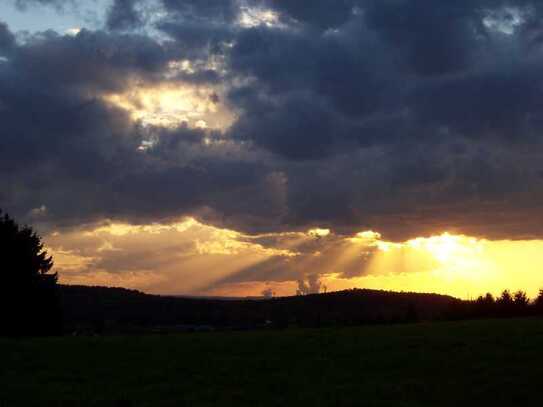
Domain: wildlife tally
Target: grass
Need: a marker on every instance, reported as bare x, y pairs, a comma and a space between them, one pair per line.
441, 364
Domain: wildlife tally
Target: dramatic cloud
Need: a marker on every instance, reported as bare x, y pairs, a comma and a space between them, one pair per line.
123, 15
7, 39
188, 257
152, 256
271, 117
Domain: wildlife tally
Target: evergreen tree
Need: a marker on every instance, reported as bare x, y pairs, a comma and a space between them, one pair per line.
538, 302
505, 303
29, 300
521, 300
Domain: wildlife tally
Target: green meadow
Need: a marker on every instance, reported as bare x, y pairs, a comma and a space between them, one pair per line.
495, 362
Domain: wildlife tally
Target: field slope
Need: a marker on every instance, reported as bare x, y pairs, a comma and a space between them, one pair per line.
438, 364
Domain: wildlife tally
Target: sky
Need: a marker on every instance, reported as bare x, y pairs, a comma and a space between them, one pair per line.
275, 147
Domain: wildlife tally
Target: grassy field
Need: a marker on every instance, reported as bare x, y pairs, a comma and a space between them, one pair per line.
440, 364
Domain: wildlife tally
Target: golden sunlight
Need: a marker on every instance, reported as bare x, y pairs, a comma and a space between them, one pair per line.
169, 106
458, 265
447, 248
191, 257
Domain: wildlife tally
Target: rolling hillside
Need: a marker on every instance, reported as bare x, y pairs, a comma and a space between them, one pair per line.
117, 309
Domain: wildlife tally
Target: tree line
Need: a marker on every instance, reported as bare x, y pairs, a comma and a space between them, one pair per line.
506, 305
32, 303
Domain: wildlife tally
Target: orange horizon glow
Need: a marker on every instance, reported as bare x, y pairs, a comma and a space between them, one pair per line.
189, 257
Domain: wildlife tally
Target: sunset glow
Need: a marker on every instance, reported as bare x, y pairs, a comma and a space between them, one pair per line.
271, 202
249, 147
449, 264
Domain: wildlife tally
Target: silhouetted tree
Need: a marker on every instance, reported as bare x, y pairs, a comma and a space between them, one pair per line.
489, 299
485, 306
538, 302
521, 301
505, 298
29, 302
505, 304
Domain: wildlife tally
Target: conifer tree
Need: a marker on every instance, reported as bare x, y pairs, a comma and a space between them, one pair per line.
29, 300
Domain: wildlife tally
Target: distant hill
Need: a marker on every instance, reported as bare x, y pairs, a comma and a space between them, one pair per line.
122, 310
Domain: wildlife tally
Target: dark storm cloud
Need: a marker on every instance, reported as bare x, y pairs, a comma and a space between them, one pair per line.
322, 13
388, 63
406, 117
51, 116
78, 157
309, 105
123, 15
90, 61
501, 103
196, 38
186, 189
62, 138
214, 10
7, 39
433, 40
433, 76
283, 122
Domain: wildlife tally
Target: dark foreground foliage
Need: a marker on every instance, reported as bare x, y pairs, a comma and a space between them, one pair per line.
106, 310
507, 305
116, 310
468, 363
29, 300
